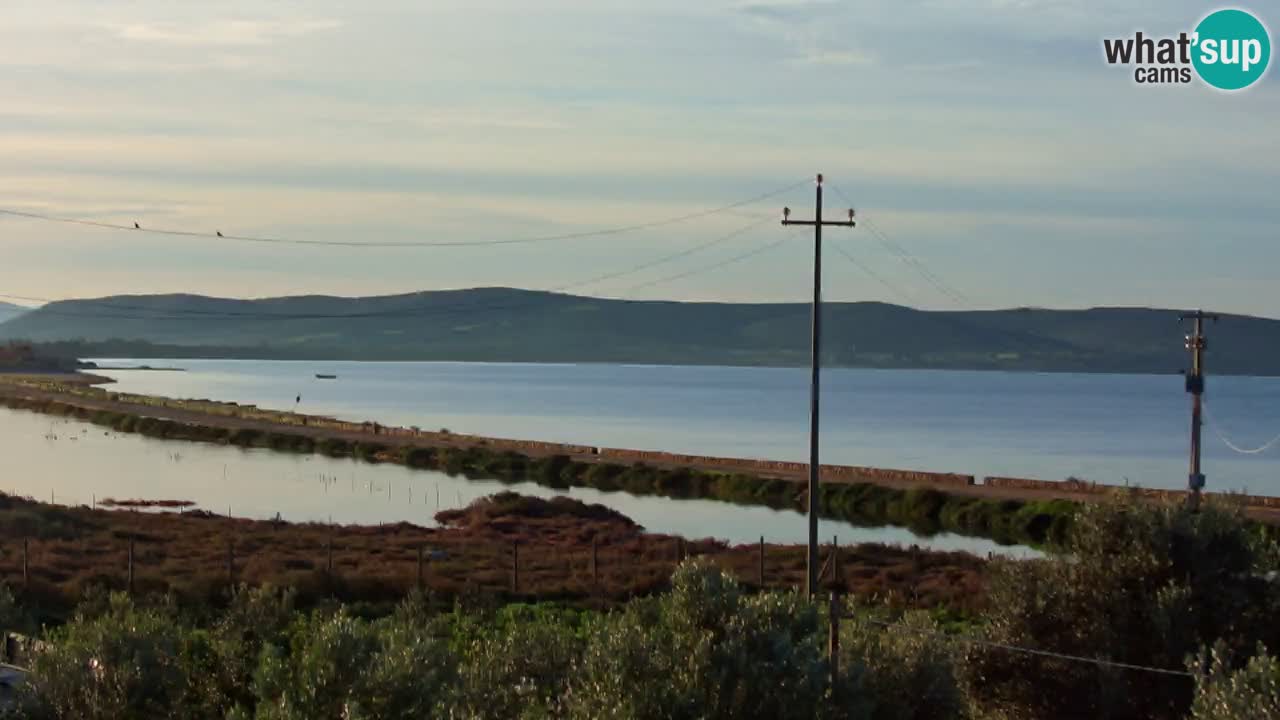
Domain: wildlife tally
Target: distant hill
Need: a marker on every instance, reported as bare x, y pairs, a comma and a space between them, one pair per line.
500, 324
9, 311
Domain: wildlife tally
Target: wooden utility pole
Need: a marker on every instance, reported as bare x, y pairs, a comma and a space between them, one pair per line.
815, 363
1196, 344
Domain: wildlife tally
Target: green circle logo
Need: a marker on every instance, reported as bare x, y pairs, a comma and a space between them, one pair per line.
1232, 49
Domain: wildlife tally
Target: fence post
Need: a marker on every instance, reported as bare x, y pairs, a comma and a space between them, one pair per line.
761, 562
833, 645
26, 577
419, 567
328, 566
515, 567
130, 566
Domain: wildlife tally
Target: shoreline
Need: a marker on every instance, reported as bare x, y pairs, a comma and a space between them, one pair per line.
1008, 510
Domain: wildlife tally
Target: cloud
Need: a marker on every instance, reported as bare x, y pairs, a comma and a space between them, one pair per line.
785, 10
835, 57
221, 32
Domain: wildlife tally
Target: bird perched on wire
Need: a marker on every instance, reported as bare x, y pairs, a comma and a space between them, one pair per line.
136, 226
219, 233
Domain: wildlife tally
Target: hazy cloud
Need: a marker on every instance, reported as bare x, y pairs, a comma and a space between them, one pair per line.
987, 135
222, 32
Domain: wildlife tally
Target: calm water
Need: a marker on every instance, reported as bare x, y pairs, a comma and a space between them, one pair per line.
1107, 428
72, 463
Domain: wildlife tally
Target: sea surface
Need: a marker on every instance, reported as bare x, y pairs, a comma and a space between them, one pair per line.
1113, 429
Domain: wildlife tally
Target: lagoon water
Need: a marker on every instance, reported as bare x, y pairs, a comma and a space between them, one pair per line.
75, 463
1107, 428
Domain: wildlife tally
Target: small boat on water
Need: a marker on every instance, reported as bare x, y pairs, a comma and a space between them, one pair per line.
321, 376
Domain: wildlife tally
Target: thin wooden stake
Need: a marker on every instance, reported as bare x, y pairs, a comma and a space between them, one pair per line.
26, 577
130, 566
329, 552
231, 564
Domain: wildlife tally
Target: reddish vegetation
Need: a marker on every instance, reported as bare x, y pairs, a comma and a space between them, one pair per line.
71, 549
112, 503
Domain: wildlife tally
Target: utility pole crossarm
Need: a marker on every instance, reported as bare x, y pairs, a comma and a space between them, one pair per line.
828, 223
817, 223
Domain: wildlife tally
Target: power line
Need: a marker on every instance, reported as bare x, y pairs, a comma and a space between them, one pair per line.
1027, 651
900, 294
153, 313
706, 268
218, 235
907, 257
916, 264
1221, 433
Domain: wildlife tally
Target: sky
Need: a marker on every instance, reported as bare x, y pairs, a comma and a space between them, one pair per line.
987, 139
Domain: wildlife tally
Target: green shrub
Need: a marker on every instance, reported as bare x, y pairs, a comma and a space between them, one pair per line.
1251, 692
125, 663
334, 447
603, 476
518, 668
420, 457
902, 673
1137, 583
223, 660
706, 650
245, 437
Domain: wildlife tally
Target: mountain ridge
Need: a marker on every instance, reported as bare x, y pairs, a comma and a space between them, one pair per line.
504, 324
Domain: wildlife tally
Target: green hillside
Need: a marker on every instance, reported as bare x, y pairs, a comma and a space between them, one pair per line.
500, 324
9, 311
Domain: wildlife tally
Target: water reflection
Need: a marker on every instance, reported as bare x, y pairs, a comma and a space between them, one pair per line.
77, 463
